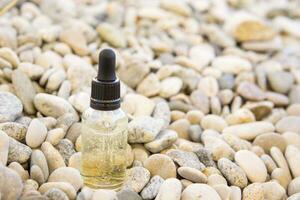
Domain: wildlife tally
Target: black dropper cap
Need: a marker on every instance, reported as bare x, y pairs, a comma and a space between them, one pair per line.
105, 93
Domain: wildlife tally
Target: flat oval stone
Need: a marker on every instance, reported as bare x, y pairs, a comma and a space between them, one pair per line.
192, 174
294, 186
253, 166
18, 152
36, 133
185, 159
292, 154
151, 189
163, 140
14, 130
138, 177
289, 123
268, 140
4, 147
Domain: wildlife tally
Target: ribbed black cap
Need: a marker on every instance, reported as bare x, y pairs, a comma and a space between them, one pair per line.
105, 93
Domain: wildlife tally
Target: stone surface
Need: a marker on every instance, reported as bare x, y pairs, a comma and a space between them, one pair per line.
111, 35
12, 187
231, 64
253, 191
273, 190
67, 174
292, 155
171, 184
14, 130
152, 188
251, 91
192, 174
162, 111
181, 126
137, 105
213, 122
170, 87
4, 147
138, 177
155, 162
18, 152
128, 195
281, 81
53, 157
253, 166
185, 159
39, 159
56, 194
10, 107
289, 123
24, 90
163, 140
193, 191
249, 131
53, 106
150, 86
65, 187
233, 173
36, 133
144, 129
293, 187
268, 140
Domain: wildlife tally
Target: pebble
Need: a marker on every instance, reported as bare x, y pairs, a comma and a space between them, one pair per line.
235, 142
56, 194
192, 174
213, 122
170, 87
36, 133
226, 81
181, 127
205, 156
144, 129
150, 85
128, 195
202, 55
75, 161
170, 184
20, 170
4, 147
260, 109
278, 99
292, 138
10, 56
104, 194
76, 40
293, 109
36, 174
269, 162
53, 106
39, 159
249, 131
195, 132
53, 157
24, 90
280, 160
13, 184
111, 34
18, 152
66, 149
194, 116
155, 162
33, 71
250, 91
14, 130
253, 166
273, 190
268, 140
236, 193
231, 64
294, 186
240, 116
138, 177
67, 174
74, 131
185, 159
194, 191
10, 107
234, 174
55, 135
209, 86
140, 152
253, 191
80, 101
223, 190
67, 188
162, 111
288, 123
200, 101
151, 189
294, 94
292, 155
163, 140
216, 179
137, 105
294, 197
281, 81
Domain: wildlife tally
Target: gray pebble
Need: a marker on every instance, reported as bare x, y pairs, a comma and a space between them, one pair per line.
226, 81
14, 130
151, 189
128, 194
18, 152
186, 159
56, 194
66, 148
205, 156
11, 184
195, 132
10, 107
163, 140
162, 111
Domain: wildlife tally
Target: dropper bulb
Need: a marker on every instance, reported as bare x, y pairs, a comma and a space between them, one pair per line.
106, 67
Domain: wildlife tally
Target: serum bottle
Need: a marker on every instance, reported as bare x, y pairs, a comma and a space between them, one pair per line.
104, 130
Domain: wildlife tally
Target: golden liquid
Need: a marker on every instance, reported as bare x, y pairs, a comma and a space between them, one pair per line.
103, 161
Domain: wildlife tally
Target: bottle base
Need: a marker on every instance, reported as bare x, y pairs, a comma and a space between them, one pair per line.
94, 184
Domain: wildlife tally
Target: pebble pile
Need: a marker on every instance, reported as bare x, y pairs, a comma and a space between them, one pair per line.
211, 88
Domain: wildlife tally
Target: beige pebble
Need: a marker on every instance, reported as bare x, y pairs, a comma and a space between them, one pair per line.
216, 179
53, 157
213, 122
162, 165
192, 174
181, 126
279, 175
170, 184
194, 116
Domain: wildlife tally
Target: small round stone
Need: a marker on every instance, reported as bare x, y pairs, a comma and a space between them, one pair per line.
170, 87
162, 165
67, 188
213, 122
185, 159
195, 132
194, 116
13, 183
151, 189
192, 174
268, 140
253, 191
216, 179
138, 177
53, 157
36, 133
56, 194
181, 126
163, 140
